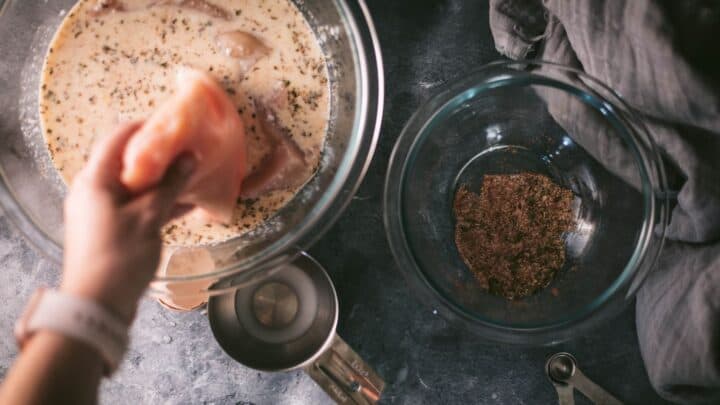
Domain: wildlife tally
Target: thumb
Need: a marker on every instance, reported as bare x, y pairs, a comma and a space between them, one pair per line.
163, 197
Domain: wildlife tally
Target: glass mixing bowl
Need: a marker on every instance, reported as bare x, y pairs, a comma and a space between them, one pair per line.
31, 192
513, 117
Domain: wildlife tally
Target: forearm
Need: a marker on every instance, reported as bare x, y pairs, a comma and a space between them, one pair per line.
105, 273
53, 369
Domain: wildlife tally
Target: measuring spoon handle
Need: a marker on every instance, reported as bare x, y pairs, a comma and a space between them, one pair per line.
591, 390
565, 394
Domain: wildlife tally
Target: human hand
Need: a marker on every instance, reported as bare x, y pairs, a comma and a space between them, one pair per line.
112, 238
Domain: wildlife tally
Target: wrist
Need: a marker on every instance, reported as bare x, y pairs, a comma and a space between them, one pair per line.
72, 348
114, 301
78, 319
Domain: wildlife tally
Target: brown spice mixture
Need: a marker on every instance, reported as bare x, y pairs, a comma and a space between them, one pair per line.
510, 236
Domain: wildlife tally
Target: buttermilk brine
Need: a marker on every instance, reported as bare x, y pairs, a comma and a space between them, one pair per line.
115, 61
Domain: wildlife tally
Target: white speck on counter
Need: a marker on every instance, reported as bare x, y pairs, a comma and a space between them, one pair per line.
422, 382
401, 375
429, 85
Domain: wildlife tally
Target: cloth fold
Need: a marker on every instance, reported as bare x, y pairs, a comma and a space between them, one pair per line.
657, 55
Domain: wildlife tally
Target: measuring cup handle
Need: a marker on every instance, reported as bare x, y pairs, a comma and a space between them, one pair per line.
345, 376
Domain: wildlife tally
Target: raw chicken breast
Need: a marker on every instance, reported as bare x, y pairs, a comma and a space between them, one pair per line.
199, 119
197, 5
280, 163
106, 6
246, 48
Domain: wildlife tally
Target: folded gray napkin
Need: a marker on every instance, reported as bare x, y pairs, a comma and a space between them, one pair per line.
663, 58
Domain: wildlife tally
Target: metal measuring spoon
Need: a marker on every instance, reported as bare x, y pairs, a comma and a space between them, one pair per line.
563, 372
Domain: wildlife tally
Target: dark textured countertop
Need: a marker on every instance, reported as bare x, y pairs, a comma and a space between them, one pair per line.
422, 357
174, 359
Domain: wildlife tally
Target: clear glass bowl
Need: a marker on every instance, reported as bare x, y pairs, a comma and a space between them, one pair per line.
31, 192
512, 117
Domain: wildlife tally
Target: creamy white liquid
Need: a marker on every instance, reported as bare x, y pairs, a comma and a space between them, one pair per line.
113, 66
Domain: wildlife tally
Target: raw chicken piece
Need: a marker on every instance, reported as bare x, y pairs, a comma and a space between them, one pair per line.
202, 120
185, 295
106, 6
243, 46
202, 6
282, 164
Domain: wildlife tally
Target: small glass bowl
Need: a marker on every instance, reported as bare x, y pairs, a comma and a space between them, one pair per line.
539, 117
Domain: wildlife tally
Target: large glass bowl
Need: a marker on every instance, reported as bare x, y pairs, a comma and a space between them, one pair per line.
31, 192
513, 117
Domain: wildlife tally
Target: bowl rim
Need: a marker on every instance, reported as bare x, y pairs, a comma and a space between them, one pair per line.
648, 245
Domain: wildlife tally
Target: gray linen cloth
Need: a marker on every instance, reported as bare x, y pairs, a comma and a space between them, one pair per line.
663, 57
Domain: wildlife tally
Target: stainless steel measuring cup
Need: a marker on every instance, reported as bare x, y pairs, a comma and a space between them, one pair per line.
288, 321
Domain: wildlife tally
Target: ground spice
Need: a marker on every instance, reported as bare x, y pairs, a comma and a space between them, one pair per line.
510, 235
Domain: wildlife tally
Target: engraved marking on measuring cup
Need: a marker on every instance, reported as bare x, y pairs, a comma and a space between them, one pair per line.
339, 392
358, 366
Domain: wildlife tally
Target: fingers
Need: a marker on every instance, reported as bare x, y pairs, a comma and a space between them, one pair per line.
161, 200
105, 162
175, 179
179, 210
